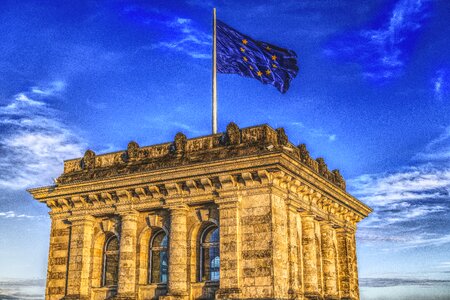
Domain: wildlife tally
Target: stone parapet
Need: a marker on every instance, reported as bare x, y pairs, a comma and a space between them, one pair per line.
233, 143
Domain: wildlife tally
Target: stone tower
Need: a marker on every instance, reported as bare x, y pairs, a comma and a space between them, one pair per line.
240, 215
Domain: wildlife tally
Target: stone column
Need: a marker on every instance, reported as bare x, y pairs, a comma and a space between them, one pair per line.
310, 280
127, 256
78, 282
353, 268
58, 255
293, 251
343, 262
329, 261
178, 257
230, 249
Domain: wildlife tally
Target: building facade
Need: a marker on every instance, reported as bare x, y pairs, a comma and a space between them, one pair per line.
239, 215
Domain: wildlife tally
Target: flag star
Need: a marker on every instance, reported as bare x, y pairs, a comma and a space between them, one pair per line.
274, 57
251, 68
268, 72
244, 41
259, 73
245, 58
274, 65
268, 48
242, 49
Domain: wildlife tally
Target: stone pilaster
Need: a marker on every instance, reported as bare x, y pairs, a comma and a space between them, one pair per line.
343, 262
328, 261
57, 260
293, 251
230, 249
78, 282
310, 280
127, 256
178, 258
353, 268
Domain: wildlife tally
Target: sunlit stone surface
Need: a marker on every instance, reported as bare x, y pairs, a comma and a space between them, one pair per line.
286, 225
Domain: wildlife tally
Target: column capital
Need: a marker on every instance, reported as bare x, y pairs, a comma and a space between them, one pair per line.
178, 208
307, 214
129, 214
78, 220
229, 202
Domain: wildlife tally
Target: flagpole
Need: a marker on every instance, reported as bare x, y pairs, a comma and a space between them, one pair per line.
214, 77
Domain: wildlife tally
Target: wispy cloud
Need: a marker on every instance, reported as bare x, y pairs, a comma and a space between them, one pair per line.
34, 140
441, 84
182, 34
13, 215
438, 149
315, 132
25, 289
383, 50
409, 203
390, 282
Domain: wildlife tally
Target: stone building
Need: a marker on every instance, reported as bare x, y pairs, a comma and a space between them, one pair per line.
240, 215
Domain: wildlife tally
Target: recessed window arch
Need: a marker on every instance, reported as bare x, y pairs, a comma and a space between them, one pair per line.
159, 259
209, 254
110, 272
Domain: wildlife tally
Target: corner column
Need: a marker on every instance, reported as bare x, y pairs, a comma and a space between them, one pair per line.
344, 261
127, 256
230, 249
293, 251
178, 258
329, 261
310, 280
78, 282
353, 265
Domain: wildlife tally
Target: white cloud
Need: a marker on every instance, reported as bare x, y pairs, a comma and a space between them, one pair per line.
34, 140
383, 50
437, 149
13, 215
316, 133
186, 39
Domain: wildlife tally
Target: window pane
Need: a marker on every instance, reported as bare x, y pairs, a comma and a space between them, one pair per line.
164, 265
214, 263
212, 236
156, 268
111, 261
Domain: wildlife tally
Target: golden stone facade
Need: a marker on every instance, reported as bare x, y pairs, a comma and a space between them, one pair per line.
239, 215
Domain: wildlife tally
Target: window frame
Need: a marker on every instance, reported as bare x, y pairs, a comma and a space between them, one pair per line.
105, 261
206, 246
152, 249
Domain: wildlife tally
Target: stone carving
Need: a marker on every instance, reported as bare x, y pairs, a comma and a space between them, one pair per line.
282, 137
233, 136
338, 179
88, 160
247, 141
180, 143
323, 169
133, 151
304, 154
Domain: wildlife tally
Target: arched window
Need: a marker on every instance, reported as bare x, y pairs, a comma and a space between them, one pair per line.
209, 254
110, 261
159, 261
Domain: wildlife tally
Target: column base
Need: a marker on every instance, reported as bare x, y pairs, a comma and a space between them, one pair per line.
76, 297
228, 293
313, 296
335, 297
293, 294
174, 297
127, 296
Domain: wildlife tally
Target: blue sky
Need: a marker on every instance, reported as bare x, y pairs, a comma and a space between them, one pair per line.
372, 96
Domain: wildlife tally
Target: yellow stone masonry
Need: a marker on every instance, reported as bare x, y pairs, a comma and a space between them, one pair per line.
239, 215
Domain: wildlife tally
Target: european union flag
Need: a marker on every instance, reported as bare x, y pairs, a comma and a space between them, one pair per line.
239, 54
